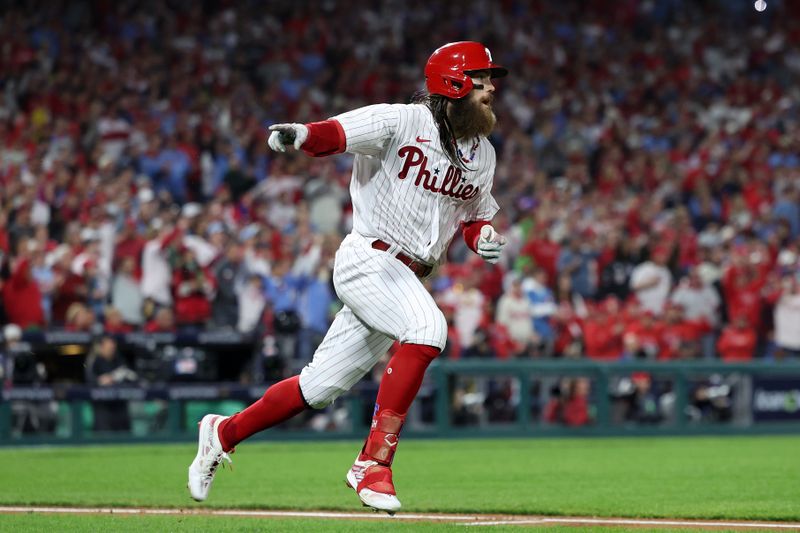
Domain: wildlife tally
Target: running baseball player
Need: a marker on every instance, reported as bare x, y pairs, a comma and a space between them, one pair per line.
422, 171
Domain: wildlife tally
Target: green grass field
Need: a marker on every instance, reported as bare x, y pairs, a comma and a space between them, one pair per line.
691, 477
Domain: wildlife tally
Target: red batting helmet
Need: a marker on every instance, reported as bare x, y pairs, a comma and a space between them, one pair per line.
447, 68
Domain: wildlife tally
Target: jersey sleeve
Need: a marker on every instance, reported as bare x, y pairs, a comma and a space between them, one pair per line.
486, 207
368, 129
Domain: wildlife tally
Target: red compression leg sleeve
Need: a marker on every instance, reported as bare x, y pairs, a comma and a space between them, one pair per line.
280, 402
403, 376
399, 386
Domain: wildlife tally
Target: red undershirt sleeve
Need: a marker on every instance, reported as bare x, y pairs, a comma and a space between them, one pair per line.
324, 138
471, 231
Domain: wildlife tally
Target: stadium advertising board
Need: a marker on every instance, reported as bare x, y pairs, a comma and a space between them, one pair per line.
776, 399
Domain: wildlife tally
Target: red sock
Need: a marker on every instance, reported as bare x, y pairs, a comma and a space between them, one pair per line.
399, 386
280, 402
403, 376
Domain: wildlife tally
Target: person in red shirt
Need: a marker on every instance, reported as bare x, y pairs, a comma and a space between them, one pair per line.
193, 288
22, 298
602, 332
544, 253
70, 288
129, 244
742, 285
567, 331
114, 323
163, 322
5, 243
737, 341
642, 338
570, 405
680, 338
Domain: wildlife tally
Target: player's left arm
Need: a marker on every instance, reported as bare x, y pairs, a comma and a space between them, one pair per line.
479, 234
484, 240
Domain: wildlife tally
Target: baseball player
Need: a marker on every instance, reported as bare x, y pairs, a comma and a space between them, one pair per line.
421, 172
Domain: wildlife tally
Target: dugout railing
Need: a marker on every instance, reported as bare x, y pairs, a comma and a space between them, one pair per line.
468, 398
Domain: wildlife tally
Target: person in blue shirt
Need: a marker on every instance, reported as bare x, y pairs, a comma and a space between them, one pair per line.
314, 308
543, 307
578, 262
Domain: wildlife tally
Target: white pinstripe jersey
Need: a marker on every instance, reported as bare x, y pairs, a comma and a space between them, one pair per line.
404, 189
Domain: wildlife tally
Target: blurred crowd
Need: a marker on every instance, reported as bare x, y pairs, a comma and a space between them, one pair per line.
648, 170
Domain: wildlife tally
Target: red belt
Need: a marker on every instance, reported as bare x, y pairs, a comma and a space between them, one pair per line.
419, 269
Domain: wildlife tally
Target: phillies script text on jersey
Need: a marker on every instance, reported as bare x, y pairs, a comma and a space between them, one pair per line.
452, 184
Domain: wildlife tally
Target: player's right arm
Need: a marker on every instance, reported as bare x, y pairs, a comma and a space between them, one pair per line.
361, 131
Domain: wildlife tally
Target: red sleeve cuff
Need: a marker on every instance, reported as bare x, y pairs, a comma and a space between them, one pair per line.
324, 138
472, 231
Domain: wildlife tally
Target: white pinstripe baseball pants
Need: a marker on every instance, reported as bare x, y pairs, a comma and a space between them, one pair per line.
384, 301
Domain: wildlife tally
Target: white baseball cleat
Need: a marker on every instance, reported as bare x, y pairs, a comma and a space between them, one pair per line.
373, 484
209, 456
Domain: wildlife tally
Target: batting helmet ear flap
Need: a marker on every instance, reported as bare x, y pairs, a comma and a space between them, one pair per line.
457, 86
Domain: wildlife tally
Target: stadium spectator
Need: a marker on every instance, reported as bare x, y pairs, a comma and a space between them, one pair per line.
45, 278
95, 287
156, 269
314, 309
578, 261
738, 340
787, 319
106, 368
162, 322
681, 337
126, 293
514, 311
651, 281
699, 301
544, 252
569, 403
616, 274
282, 289
252, 301
230, 275
114, 323
568, 319
22, 297
79, 318
129, 245
193, 288
644, 404
70, 287
543, 307
468, 304
643, 337
602, 332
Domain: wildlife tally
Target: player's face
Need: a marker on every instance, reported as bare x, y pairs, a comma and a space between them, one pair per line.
483, 91
473, 115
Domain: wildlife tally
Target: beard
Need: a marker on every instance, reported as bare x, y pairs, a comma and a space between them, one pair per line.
471, 118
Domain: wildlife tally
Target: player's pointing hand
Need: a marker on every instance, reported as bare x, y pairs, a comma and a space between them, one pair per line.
283, 134
490, 244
